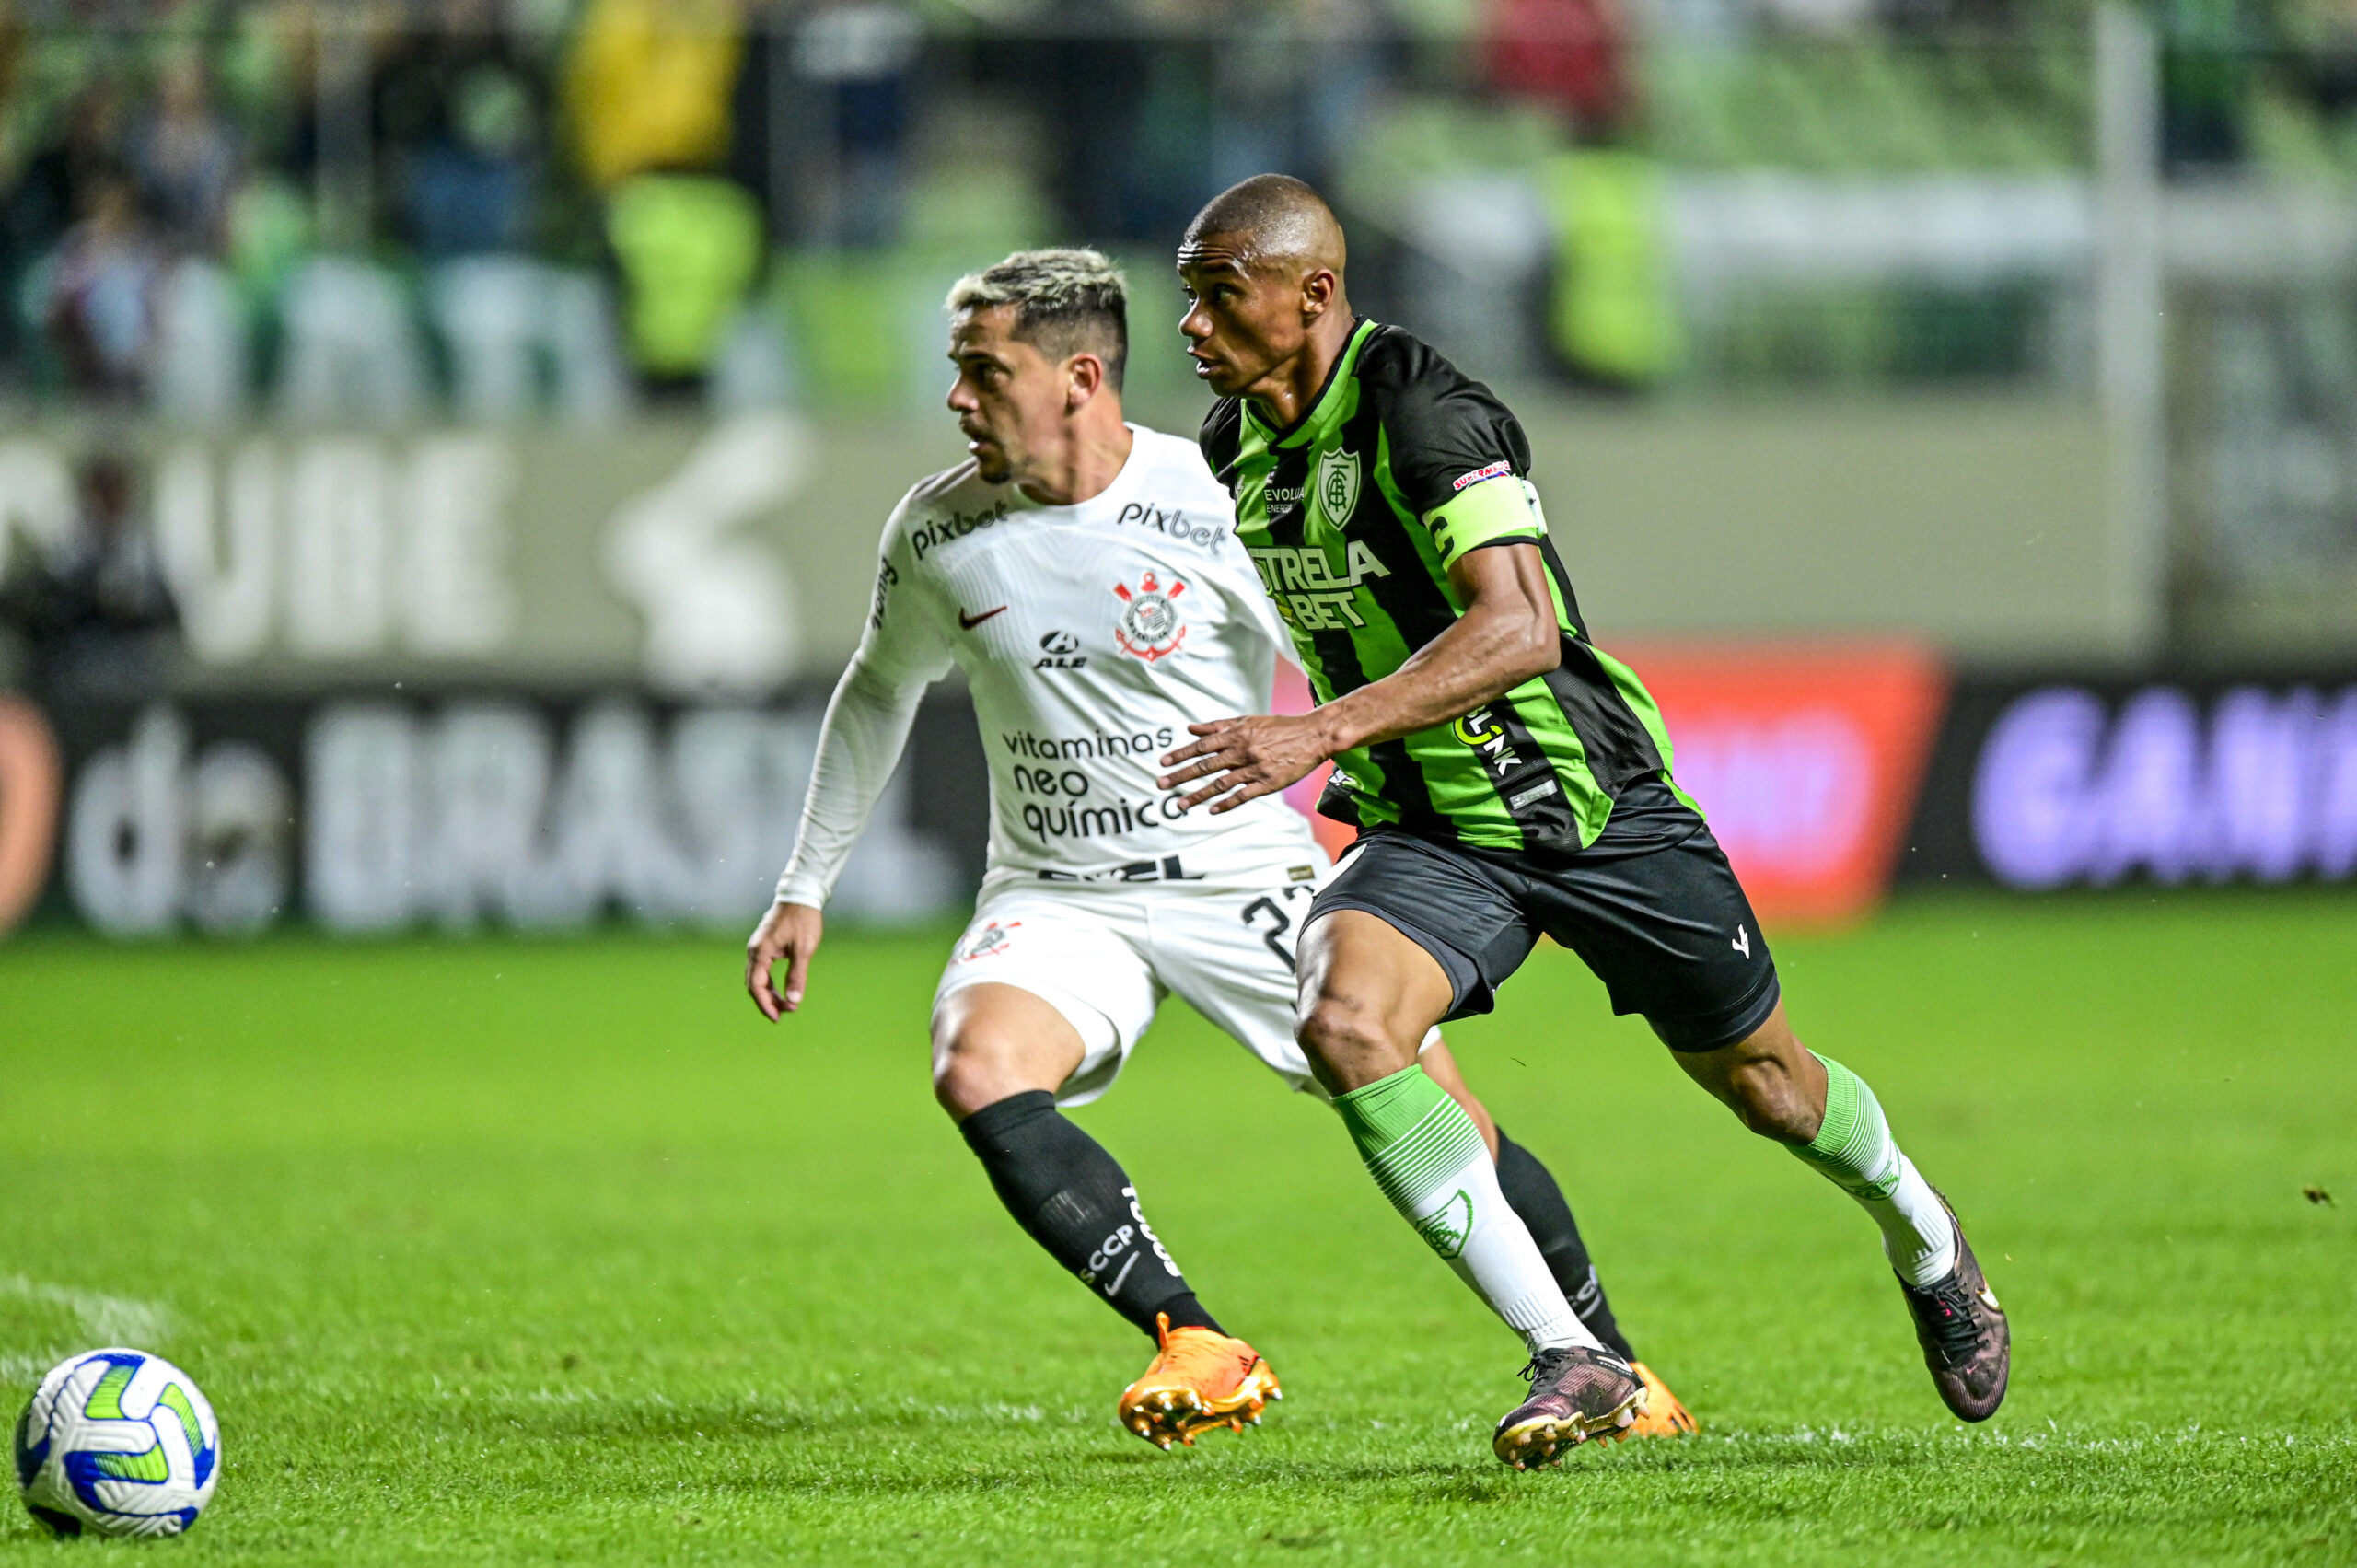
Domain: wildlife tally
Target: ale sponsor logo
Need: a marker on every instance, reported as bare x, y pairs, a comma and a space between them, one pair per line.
1059, 650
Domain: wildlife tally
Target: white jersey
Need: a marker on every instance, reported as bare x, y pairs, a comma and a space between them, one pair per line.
1091, 635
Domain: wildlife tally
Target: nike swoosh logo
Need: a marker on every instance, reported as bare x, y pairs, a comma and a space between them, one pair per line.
968, 623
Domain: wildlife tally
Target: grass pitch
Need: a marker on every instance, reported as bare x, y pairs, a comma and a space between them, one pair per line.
553, 1252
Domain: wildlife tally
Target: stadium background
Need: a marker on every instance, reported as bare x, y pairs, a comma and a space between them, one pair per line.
467, 400
441, 447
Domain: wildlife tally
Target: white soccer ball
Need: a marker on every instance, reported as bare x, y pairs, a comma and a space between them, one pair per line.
118, 1442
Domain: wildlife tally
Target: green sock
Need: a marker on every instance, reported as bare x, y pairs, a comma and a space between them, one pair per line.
1853, 1149
1428, 1157
1853, 1146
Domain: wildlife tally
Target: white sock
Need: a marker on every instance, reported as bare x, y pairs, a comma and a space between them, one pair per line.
1428, 1156
1917, 1235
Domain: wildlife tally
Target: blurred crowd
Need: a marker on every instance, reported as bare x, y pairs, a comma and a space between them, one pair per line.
357, 209
188, 188
200, 198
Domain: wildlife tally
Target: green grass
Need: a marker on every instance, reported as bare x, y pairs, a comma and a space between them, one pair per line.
552, 1252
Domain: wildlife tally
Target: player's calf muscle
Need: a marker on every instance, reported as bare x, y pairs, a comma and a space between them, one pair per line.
1769, 1080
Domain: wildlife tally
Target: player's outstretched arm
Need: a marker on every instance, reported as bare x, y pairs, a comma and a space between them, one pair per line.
1506, 635
789, 934
860, 743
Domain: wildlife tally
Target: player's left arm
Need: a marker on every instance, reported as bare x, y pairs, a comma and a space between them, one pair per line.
1506, 635
1457, 460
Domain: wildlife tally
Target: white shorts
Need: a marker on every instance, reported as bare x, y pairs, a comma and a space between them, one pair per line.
1106, 956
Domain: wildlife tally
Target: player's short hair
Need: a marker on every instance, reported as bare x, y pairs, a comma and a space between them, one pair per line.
1066, 302
1271, 220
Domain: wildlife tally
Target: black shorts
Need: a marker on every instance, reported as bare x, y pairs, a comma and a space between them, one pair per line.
1654, 909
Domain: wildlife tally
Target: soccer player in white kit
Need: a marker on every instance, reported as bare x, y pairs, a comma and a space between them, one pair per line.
1084, 574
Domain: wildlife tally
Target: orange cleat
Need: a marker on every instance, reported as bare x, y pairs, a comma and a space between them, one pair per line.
1663, 1415
1198, 1380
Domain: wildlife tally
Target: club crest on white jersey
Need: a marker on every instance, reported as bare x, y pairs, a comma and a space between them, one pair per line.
1151, 625
1064, 619
991, 938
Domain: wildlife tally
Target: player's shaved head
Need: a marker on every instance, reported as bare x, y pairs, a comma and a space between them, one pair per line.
1270, 222
1262, 267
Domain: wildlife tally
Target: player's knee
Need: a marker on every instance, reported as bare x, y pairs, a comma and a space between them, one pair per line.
1769, 1102
1337, 1030
968, 1075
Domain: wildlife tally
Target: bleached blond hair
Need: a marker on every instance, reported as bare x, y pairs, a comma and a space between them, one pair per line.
1066, 302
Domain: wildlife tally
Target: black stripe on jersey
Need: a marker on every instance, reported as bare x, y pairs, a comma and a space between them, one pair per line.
1563, 584
1338, 658
1403, 786
1410, 595
1222, 438
1619, 748
1529, 791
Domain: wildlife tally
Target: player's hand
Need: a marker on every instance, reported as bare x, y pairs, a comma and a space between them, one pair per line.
1246, 759
791, 932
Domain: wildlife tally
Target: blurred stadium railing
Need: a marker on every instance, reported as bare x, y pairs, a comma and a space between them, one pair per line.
441, 445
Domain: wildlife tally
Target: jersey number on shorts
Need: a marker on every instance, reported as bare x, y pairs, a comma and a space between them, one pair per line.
1278, 923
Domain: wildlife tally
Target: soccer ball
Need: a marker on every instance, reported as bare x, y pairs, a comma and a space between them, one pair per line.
118, 1442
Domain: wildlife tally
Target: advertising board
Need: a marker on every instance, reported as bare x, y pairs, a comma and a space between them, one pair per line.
379, 814
2040, 784
1806, 757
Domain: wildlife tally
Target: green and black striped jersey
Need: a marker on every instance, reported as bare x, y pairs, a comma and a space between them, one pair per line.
1353, 516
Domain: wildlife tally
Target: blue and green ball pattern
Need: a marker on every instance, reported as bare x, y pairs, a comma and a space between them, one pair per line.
79, 1460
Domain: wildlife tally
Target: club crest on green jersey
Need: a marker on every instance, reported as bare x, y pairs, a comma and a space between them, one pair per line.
1335, 486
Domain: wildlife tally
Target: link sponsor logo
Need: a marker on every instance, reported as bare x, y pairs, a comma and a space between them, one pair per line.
1481, 731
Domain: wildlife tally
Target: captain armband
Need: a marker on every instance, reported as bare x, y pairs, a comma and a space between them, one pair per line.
1493, 511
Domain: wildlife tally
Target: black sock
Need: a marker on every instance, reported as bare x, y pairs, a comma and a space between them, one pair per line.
1062, 1187
1531, 1192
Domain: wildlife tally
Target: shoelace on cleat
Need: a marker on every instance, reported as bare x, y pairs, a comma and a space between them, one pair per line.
1952, 1323
1571, 1372
1544, 1362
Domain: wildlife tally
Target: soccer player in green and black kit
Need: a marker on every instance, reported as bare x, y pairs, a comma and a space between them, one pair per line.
1507, 777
